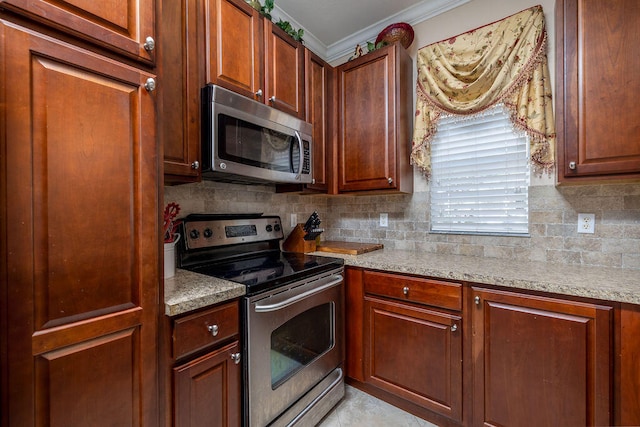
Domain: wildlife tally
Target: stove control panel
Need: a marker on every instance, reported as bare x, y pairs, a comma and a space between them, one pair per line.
207, 233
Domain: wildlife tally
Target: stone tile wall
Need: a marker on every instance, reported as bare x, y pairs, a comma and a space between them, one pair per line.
553, 218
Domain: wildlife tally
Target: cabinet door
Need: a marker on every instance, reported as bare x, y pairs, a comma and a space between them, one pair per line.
415, 354
181, 69
122, 26
540, 361
81, 292
207, 390
374, 125
284, 71
598, 128
319, 82
234, 47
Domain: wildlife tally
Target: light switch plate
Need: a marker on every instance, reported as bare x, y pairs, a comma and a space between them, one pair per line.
294, 220
586, 223
384, 220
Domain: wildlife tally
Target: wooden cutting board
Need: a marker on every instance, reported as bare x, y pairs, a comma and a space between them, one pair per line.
350, 248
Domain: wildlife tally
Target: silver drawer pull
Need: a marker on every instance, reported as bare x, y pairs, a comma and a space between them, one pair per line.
405, 291
454, 327
235, 357
214, 329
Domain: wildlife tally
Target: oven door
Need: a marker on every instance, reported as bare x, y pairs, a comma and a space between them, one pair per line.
295, 340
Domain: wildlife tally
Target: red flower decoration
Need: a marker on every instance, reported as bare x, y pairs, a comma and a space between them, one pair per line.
170, 223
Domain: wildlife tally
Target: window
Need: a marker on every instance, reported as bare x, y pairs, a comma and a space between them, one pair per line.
480, 176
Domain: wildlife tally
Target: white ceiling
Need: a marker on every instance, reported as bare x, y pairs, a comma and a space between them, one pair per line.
332, 28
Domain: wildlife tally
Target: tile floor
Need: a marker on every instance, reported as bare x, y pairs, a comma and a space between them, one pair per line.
361, 409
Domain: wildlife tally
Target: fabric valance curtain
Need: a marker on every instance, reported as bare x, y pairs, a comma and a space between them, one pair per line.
501, 63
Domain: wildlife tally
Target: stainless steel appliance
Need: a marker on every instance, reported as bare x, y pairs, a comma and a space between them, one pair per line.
292, 315
249, 142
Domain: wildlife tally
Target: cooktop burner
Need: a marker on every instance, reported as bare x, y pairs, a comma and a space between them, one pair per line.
245, 250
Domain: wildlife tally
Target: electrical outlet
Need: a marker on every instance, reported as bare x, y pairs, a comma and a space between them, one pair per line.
586, 223
294, 220
384, 220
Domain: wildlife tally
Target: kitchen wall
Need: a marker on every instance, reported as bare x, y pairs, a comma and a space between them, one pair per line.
553, 210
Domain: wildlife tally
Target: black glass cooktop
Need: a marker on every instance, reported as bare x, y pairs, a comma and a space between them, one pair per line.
268, 271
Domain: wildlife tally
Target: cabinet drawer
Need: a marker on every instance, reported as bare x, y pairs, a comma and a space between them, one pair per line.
414, 289
200, 330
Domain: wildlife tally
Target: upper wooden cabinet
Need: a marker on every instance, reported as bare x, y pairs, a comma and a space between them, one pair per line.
126, 27
597, 88
227, 43
234, 47
250, 55
181, 70
319, 94
375, 121
540, 361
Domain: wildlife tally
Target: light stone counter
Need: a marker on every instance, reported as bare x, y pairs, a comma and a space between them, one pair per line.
187, 291
610, 284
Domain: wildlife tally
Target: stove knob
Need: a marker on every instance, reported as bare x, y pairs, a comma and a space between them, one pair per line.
277, 227
207, 233
194, 234
269, 228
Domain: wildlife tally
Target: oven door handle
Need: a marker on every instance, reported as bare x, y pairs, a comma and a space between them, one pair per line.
335, 281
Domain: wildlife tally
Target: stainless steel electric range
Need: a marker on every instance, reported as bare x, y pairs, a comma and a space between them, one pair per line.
292, 315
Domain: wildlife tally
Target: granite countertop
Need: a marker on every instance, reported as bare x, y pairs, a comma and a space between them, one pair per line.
188, 291
609, 284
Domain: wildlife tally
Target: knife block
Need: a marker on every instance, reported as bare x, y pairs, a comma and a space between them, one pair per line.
296, 243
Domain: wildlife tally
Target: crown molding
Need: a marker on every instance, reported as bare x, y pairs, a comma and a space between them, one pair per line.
342, 48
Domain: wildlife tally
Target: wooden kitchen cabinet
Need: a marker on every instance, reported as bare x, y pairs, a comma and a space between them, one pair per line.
597, 85
206, 367
122, 26
227, 43
248, 54
319, 91
80, 238
540, 361
406, 346
375, 122
207, 390
627, 409
181, 70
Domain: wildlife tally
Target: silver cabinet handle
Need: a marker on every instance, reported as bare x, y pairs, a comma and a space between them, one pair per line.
150, 84
405, 291
390, 180
454, 327
259, 93
272, 99
195, 165
235, 357
477, 300
149, 44
214, 329
572, 166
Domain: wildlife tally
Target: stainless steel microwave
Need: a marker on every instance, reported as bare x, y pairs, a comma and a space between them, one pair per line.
245, 141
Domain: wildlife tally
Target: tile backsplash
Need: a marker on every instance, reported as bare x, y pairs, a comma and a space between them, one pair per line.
553, 218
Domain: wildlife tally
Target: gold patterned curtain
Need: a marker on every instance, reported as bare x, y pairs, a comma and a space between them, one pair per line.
500, 63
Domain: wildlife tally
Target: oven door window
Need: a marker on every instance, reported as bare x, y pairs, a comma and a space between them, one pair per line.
300, 341
243, 142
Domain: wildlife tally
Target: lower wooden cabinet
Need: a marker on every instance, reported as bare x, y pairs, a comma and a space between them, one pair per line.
207, 389
463, 354
414, 353
206, 370
540, 361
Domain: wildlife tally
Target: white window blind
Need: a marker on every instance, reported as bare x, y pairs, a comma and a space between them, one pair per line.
480, 176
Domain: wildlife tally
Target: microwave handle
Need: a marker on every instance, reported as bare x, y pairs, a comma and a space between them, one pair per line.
300, 147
